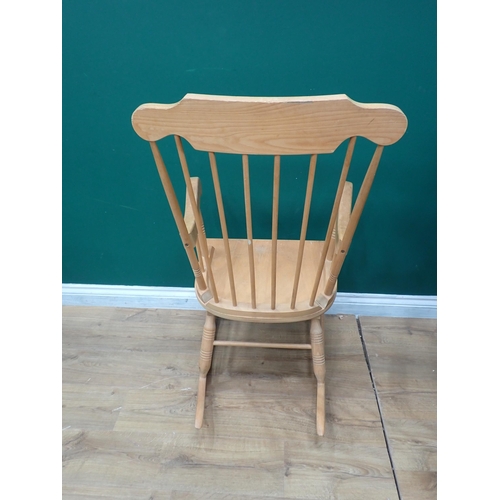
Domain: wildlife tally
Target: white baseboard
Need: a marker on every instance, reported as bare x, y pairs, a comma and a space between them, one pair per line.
359, 304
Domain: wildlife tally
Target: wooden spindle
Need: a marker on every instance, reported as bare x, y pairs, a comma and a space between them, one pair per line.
179, 220
274, 248
239, 343
341, 252
303, 231
198, 217
318, 356
206, 351
222, 217
248, 214
333, 218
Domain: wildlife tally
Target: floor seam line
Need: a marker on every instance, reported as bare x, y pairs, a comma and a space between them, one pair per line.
377, 399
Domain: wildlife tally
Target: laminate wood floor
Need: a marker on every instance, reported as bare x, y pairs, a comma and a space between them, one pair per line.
402, 356
129, 397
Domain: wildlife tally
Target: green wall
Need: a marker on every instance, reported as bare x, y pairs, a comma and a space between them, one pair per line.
117, 227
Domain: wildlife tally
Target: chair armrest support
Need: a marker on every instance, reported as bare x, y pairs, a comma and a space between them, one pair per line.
344, 210
189, 218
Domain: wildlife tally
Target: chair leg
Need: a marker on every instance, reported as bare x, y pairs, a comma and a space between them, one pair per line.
318, 355
207, 346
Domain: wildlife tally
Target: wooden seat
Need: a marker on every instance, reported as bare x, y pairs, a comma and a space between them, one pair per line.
267, 280
287, 251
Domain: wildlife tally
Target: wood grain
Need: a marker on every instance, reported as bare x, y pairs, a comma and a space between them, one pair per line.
255, 276
189, 217
287, 251
402, 355
341, 477
269, 125
129, 396
222, 218
178, 217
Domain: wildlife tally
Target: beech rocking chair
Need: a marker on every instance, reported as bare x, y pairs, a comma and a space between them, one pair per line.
260, 280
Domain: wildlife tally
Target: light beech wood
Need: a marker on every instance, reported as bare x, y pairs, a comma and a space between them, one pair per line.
274, 230
207, 346
255, 280
328, 245
189, 218
318, 356
343, 247
198, 218
303, 230
222, 217
287, 251
345, 211
266, 345
269, 125
248, 217
179, 220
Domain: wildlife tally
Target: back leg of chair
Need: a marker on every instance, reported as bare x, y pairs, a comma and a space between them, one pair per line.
318, 355
207, 347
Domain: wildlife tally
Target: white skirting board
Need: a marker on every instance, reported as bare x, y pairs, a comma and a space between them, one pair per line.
359, 304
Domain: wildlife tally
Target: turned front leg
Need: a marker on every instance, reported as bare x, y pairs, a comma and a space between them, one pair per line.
207, 346
318, 355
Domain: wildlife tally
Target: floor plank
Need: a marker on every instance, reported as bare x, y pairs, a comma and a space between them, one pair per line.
343, 473
402, 354
129, 397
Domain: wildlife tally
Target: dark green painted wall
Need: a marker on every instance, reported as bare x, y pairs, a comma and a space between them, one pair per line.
117, 228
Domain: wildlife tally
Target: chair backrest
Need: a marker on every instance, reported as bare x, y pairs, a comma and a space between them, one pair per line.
267, 126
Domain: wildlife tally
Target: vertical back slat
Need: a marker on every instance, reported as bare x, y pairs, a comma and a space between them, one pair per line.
341, 252
274, 249
248, 214
179, 220
303, 231
198, 217
222, 217
333, 218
